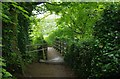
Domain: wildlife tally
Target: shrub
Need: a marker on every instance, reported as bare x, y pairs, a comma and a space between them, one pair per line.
107, 33
99, 58
79, 57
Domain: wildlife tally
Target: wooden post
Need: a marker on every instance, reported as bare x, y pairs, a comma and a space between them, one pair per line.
60, 46
43, 53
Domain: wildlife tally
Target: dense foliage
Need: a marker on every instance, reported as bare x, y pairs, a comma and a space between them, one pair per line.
92, 34
91, 30
79, 17
99, 58
107, 34
15, 27
10, 45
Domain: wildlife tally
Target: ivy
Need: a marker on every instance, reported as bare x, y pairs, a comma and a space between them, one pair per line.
4, 73
15, 21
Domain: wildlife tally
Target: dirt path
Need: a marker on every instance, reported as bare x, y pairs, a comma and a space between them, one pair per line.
50, 69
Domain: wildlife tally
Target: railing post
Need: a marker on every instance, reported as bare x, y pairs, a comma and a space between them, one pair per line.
43, 51
60, 46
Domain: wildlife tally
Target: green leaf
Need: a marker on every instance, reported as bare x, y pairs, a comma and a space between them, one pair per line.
20, 8
6, 74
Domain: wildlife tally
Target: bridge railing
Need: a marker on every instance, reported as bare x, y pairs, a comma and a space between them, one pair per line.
41, 49
60, 45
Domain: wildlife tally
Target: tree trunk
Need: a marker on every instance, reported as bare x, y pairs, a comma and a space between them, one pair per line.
14, 41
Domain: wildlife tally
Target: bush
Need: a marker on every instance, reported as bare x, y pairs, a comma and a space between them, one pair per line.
107, 33
79, 57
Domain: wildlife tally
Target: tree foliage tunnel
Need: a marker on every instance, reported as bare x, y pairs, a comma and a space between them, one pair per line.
91, 31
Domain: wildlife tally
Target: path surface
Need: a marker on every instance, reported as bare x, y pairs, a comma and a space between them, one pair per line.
53, 67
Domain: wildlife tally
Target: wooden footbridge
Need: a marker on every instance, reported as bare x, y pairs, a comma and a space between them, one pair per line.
52, 63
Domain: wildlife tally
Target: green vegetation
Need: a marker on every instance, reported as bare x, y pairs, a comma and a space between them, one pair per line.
15, 27
4, 74
91, 31
92, 34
